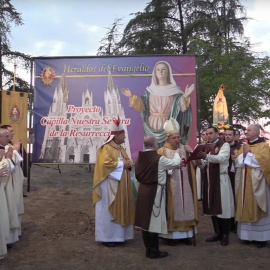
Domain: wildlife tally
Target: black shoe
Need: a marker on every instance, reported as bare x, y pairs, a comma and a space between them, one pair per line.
156, 254
246, 242
261, 244
24, 195
225, 240
214, 238
109, 244
171, 242
188, 241
9, 246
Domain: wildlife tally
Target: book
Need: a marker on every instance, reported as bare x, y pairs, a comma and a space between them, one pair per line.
205, 147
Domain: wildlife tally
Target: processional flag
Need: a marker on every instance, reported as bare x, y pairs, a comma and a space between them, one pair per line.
14, 113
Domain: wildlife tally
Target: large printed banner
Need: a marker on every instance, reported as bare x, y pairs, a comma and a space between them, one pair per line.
76, 99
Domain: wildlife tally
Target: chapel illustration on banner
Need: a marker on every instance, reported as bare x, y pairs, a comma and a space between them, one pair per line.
79, 150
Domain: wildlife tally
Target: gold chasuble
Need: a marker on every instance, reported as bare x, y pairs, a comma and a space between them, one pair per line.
14, 113
182, 201
121, 204
251, 197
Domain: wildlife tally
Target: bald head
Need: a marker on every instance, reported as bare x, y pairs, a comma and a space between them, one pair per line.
252, 132
256, 128
3, 131
150, 142
4, 136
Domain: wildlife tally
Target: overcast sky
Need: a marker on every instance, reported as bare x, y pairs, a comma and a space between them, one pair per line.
75, 27
68, 27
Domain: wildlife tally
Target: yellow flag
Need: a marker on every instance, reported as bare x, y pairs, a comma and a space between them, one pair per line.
14, 113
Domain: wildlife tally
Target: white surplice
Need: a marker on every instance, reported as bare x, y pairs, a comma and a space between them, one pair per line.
105, 229
254, 231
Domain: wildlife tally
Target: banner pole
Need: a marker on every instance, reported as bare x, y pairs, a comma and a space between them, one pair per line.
198, 97
30, 126
14, 76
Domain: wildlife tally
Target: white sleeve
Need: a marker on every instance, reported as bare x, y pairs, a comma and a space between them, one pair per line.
223, 155
251, 161
168, 163
11, 165
232, 168
116, 174
239, 162
19, 158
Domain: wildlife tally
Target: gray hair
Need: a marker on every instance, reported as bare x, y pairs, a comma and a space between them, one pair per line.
256, 128
149, 142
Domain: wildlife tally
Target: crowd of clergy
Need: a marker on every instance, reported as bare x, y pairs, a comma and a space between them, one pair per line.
232, 180
231, 177
11, 190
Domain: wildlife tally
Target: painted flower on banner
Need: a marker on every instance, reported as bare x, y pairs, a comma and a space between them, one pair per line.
47, 75
14, 114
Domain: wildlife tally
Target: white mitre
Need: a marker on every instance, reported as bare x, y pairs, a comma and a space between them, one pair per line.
171, 126
115, 128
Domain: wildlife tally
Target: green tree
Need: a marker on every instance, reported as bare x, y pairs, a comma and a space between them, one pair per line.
226, 57
154, 31
9, 16
213, 30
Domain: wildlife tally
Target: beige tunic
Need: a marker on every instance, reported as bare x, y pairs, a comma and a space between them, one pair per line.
14, 223
253, 196
4, 219
158, 223
252, 179
182, 196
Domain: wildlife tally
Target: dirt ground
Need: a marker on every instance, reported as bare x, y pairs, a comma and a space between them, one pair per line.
58, 233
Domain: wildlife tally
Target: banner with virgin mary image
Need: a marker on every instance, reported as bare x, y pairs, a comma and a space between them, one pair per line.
76, 98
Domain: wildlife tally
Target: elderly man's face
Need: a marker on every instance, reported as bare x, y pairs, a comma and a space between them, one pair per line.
252, 133
4, 138
119, 138
174, 140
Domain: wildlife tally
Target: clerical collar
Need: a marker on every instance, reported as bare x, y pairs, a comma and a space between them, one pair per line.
232, 143
258, 140
214, 141
254, 140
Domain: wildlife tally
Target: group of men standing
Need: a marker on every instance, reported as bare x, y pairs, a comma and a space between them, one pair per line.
235, 176
167, 199
242, 193
11, 189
